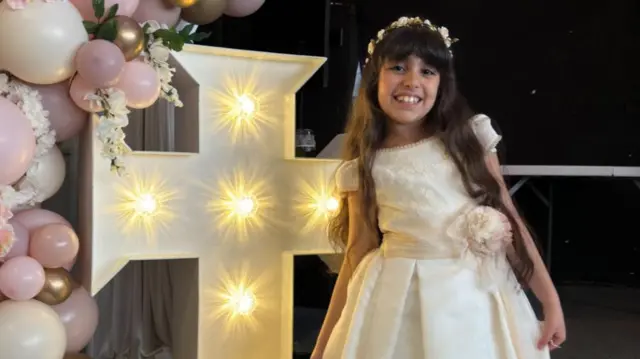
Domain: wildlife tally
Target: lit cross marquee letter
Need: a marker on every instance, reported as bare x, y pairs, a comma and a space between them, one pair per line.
240, 204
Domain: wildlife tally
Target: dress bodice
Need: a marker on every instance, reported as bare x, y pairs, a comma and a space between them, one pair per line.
419, 190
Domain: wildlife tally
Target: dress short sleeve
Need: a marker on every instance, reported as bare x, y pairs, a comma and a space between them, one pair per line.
485, 133
347, 176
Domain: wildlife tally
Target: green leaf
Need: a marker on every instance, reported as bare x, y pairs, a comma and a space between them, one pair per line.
90, 26
112, 12
198, 36
108, 30
98, 8
170, 38
186, 31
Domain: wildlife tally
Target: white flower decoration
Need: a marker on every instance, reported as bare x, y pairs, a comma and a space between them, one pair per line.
444, 32
111, 121
485, 230
403, 21
413, 21
372, 46
157, 54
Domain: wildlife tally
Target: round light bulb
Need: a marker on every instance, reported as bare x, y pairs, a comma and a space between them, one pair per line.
243, 303
146, 204
245, 206
246, 105
331, 204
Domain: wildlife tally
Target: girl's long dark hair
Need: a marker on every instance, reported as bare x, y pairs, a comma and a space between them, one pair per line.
449, 118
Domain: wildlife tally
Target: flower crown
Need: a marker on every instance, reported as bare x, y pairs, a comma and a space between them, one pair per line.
408, 22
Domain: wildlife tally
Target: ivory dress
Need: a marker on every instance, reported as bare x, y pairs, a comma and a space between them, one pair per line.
424, 294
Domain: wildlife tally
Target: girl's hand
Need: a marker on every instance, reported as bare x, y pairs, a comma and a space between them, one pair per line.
554, 332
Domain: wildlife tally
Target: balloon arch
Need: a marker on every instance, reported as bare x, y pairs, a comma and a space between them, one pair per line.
60, 63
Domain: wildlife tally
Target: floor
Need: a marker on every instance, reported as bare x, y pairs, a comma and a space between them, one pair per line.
602, 323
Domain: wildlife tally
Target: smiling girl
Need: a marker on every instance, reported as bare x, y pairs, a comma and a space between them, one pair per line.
435, 251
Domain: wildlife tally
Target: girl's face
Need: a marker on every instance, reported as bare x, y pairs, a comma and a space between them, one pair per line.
407, 89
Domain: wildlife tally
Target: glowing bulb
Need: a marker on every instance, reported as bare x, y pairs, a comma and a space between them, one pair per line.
246, 106
146, 204
243, 303
331, 204
245, 206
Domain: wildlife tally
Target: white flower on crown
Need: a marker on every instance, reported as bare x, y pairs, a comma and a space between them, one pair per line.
372, 46
403, 21
415, 21
444, 32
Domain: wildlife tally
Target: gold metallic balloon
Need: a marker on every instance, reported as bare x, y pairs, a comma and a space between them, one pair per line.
130, 37
58, 286
183, 3
204, 11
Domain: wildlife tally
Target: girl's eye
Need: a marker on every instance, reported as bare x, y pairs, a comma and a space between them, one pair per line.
397, 68
428, 72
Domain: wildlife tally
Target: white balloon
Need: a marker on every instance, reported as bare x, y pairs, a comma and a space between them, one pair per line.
39, 42
48, 175
30, 330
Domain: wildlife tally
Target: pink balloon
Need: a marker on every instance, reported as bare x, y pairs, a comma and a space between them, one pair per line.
158, 10
54, 245
79, 314
66, 118
81, 88
20, 246
85, 7
242, 8
34, 219
21, 278
140, 84
17, 142
69, 266
100, 63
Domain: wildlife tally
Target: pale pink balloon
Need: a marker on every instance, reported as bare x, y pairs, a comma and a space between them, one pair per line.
79, 314
140, 84
85, 7
159, 10
79, 89
21, 240
69, 266
100, 63
54, 245
66, 118
21, 278
17, 142
35, 218
242, 8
